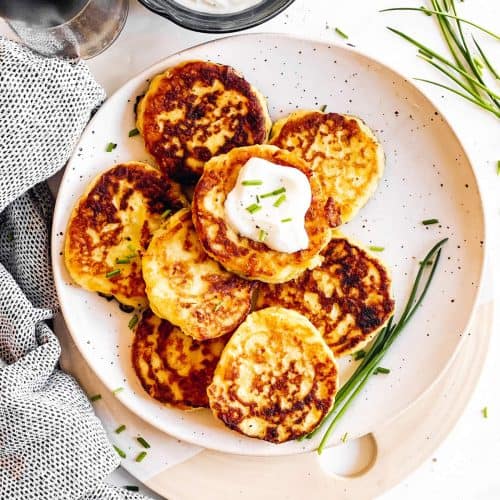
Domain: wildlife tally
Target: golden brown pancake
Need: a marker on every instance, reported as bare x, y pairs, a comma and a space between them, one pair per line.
172, 367
190, 289
342, 151
243, 256
348, 298
196, 110
112, 224
276, 378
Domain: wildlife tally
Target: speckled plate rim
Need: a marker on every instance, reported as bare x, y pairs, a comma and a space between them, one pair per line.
161, 65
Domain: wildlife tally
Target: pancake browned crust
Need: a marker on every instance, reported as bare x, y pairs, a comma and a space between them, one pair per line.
342, 151
112, 224
187, 287
172, 367
196, 110
276, 378
243, 256
348, 298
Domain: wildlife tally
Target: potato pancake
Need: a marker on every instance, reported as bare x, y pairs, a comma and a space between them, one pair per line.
190, 289
172, 367
111, 226
348, 298
342, 151
276, 378
196, 110
243, 256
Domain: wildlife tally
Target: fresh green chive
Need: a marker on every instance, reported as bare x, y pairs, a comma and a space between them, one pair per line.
498, 167
133, 321
323, 108
341, 33
280, 200
120, 429
110, 147
485, 412
133, 132
131, 487
125, 260
117, 390
359, 355
218, 306
257, 197
141, 456
143, 442
425, 11
131, 248
273, 193
166, 213
381, 369
376, 249
253, 208
262, 235
97, 397
113, 273
251, 183
344, 437
429, 222
120, 452
288, 219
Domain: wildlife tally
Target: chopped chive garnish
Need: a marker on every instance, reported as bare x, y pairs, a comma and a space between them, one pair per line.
273, 193
376, 249
120, 452
115, 272
133, 132
498, 170
131, 487
323, 108
120, 429
257, 197
125, 260
381, 369
131, 248
485, 412
252, 183
110, 147
143, 442
341, 33
280, 200
253, 208
133, 321
359, 355
429, 222
141, 456
166, 213
288, 219
97, 397
217, 306
262, 235
344, 437
10, 236
117, 390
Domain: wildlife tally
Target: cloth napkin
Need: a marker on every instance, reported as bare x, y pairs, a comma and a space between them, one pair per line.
52, 446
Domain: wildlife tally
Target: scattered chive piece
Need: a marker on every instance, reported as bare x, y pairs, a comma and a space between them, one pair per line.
141, 456
166, 213
10, 236
341, 33
376, 249
133, 321
125, 260
323, 108
273, 193
485, 412
252, 183
262, 235
143, 442
115, 272
253, 208
131, 247
288, 219
218, 306
117, 390
344, 438
110, 147
120, 452
120, 429
257, 197
359, 355
381, 369
97, 397
133, 132
429, 222
280, 200
131, 487
498, 167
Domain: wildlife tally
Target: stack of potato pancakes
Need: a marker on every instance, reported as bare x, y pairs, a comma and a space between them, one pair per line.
227, 322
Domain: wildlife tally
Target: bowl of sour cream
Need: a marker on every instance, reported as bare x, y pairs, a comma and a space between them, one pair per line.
217, 16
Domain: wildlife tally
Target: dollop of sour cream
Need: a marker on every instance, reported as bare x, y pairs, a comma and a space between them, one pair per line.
268, 204
218, 6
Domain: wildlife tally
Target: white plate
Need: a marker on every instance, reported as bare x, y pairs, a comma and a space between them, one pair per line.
427, 176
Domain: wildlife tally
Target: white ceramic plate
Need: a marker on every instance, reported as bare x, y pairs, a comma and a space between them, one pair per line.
427, 176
